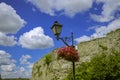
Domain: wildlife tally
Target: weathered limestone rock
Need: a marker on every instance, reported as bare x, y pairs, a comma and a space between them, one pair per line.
57, 69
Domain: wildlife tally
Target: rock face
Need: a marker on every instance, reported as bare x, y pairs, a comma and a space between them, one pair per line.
52, 68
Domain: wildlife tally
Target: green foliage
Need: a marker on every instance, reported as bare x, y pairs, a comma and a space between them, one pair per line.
40, 73
48, 59
83, 72
55, 78
101, 67
103, 47
106, 67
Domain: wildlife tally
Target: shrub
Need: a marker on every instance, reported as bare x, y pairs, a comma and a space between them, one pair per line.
48, 59
101, 67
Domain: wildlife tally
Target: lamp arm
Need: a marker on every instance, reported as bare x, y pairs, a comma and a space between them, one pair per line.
64, 41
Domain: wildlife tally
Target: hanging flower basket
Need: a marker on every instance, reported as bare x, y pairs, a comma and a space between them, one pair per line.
68, 53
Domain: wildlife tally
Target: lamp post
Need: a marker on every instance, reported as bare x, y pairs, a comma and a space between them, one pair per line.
57, 28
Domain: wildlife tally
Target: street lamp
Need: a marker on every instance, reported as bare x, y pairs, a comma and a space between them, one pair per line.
57, 28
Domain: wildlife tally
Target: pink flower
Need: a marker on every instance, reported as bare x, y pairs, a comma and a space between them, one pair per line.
68, 53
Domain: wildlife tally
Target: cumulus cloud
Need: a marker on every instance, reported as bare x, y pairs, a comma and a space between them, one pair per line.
9, 68
67, 7
35, 39
9, 74
43, 5
24, 73
5, 58
19, 73
7, 40
27, 69
110, 8
101, 31
10, 23
24, 59
7, 64
83, 38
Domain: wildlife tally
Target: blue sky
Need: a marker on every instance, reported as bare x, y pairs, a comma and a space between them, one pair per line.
25, 28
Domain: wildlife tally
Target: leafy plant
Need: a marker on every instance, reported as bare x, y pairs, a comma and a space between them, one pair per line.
48, 59
101, 67
103, 47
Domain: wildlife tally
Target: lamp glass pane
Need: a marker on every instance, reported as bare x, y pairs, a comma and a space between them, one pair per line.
58, 28
54, 30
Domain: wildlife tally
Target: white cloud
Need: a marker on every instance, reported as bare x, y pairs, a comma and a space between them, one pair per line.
24, 72
10, 21
9, 74
110, 7
67, 7
43, 5
101, 31
82, 39
27, 70
7, 64
20, 73
22, 69
9, 68
30, 65
5, 58
24, 59
91, 28
7, 40
35, 39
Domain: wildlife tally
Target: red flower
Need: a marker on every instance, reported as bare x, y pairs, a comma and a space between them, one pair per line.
68, 53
